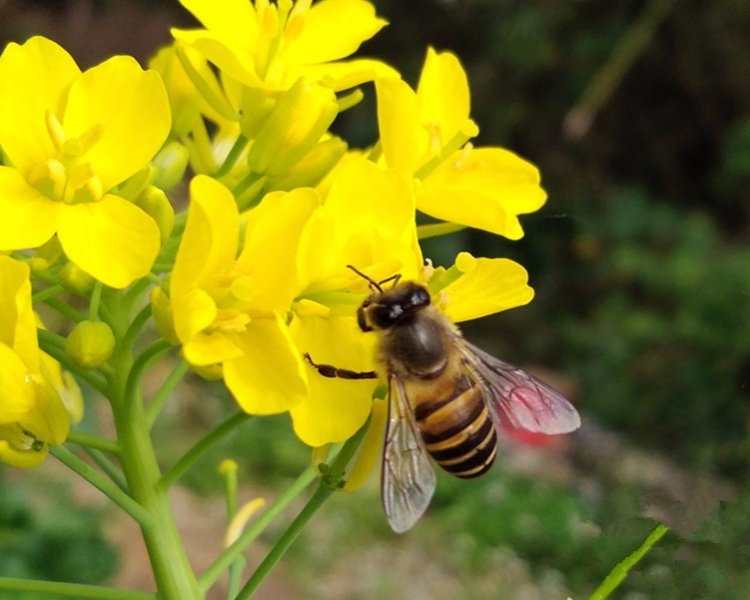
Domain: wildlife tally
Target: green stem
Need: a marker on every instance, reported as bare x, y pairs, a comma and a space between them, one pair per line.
172, 572
93, 441
149, 356
230, 554
621, 571
73, 590
162, 395
123, 500
204, 444
128, 340
234, 153
65, 309
45, 295
230, 489
329, 483
604, 83
174, 577
96, 298
106, 465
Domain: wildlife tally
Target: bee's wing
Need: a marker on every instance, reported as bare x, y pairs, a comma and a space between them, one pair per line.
407, 479
517, 399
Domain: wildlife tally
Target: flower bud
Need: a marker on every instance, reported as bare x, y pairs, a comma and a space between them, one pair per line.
170, 165
90, 343
155, 204
313, 167
75, 280
300, 118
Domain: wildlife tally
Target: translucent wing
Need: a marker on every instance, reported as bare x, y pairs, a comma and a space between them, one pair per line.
407, 479
517, 399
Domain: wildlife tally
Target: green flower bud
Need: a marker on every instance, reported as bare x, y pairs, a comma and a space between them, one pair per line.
46, 255
170, 165
75, 280
155, 203
301, 117
90, 344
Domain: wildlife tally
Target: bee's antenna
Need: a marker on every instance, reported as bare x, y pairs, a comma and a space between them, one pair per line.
373, 283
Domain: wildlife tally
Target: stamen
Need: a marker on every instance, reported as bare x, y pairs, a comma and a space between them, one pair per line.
55, 130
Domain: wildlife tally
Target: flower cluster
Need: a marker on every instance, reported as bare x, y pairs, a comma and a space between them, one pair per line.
253, 275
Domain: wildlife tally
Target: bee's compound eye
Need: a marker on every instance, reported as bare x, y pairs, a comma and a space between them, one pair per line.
421, 297
385, 315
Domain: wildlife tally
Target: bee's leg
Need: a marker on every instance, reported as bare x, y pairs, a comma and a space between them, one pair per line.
331, 371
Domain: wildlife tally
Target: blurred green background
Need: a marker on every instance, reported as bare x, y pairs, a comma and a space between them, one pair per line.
638, 115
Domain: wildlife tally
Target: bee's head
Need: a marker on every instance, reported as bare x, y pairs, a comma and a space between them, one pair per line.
384, 309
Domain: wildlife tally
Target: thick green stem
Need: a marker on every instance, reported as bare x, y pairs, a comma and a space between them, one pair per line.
72, 590
174, 577
621, 571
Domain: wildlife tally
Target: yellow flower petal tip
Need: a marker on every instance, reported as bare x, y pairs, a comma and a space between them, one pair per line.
240, 520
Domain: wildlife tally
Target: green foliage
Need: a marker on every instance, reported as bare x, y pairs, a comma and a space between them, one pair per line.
658, 349
52, 539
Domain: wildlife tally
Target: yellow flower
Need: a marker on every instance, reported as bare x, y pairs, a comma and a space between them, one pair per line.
72, 138
423, 134
264, 45
32, 414
230, 310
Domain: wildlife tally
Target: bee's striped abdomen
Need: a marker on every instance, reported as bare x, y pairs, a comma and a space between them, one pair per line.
456, 428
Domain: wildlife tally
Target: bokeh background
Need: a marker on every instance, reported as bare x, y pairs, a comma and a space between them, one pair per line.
637, 112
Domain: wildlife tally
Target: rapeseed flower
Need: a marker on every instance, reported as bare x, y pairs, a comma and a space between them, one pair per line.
424, 135
72, 138
32, 414
270, 46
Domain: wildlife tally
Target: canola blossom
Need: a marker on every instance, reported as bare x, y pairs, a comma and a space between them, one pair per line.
70, 138
201, 211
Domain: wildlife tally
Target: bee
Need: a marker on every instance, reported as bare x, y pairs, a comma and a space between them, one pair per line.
446, 398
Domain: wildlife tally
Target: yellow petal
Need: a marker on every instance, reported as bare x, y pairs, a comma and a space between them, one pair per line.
269, 377
336, 408
193, 312
376, 229
34, 80
233, 19
346, 74
18, 327
333, 29
494, 285
16, 390
228, 55
443, 95
21, 459
206, 349
29, 218
113, 240
271, 241
484, 188
131, 107
209, 242
402, 139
